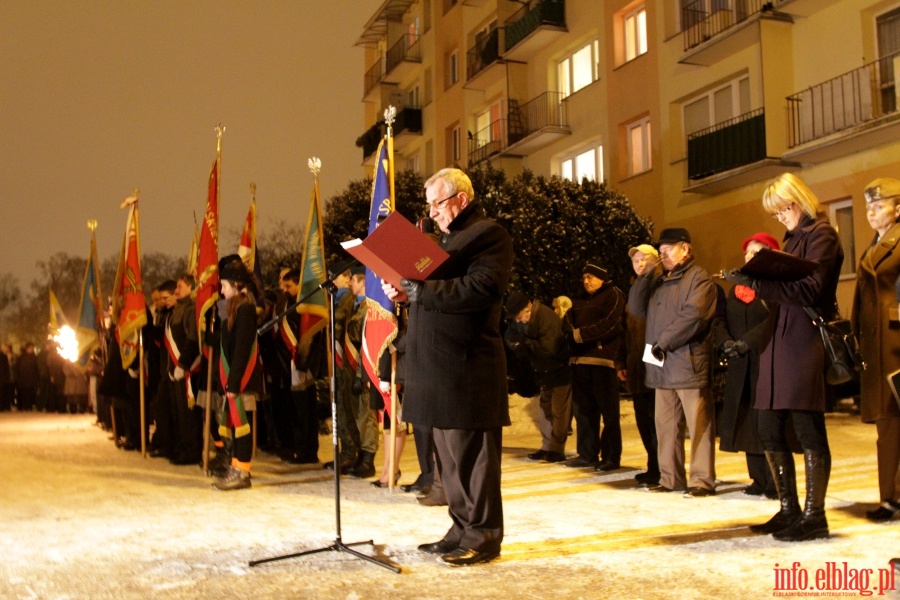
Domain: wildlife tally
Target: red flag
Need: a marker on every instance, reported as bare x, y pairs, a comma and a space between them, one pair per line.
208, 254
129, 293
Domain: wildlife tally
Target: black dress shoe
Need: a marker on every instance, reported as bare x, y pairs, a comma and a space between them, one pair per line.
883, 513
699, 492
462, 557
539, 455
418, 486
579, 462
607, 465
554, 457
658, 488
647, 478
441, 547
432, 499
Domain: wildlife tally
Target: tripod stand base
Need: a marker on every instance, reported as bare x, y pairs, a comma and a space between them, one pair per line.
337, 546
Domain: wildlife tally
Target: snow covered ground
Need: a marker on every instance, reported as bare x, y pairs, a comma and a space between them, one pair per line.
81, 519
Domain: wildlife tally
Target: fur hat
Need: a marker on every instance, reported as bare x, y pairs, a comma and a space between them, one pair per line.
515, 303
596, 270
762, 238
673, 235
882, 188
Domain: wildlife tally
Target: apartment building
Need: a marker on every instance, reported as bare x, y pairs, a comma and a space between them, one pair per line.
688, 107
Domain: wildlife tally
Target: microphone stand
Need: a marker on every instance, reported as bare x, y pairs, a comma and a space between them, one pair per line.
338, 545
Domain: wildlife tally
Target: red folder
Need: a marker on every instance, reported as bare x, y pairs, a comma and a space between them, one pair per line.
397, 250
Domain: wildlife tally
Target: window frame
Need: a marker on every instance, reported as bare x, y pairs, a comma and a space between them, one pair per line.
709, 95
646, 146
452, 69
848, 238
634, 14
567, 81
572, 159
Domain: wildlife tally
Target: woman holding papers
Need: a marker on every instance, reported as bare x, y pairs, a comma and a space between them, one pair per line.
878, 330
791, 383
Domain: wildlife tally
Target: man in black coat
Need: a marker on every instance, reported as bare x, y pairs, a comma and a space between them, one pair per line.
456, 378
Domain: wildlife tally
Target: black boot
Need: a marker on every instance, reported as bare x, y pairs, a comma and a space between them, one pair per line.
219, 464
813, 525
782, 467
365, 467
348, 464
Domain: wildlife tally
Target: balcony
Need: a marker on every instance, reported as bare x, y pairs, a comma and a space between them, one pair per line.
372, 81
487, 142
407, 126
849, 113
537, 123
402, 58
731, 154
711, 35
483, 65
533, 27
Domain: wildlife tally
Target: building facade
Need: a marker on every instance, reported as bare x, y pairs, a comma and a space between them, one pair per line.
688, 107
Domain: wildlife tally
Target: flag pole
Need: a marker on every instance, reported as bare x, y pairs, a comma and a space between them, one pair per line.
390, 114
207, 411
141, 394
250, 268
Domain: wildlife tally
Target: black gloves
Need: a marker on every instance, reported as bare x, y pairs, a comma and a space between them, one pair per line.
735, 348
735, 276
412, 288
657, 352
514, 338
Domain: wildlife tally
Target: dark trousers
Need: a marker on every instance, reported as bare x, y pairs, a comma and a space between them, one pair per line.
644, 415
282, 415
162, 410
595, 395
27, 397
469, 464
188, 422
306, 424
424, 437
759, 471
7, 394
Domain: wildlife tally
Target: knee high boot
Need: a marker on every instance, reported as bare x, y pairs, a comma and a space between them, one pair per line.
813, 525
782, 466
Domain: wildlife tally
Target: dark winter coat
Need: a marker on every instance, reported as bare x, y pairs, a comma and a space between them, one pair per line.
183, 323
737, 425
879, 337
600, 321
5, 372
542, 343
792, 363
27, 371
237, 343
679, 308
457, 365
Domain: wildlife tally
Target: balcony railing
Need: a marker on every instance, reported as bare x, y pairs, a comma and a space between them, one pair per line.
485, 52
703, 19
487, 142
545, 110
407, 48
373, 76
531, 16
734, 143
846, 101
408, 120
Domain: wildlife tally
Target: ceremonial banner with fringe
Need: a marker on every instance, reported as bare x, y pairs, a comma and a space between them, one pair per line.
380, 327
90, 323
248, 252
57, 316
208, 256
128, 295
192, 253
313, 312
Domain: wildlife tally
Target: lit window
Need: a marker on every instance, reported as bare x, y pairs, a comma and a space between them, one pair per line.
454, 143
584, 164
717, 105
639, 146
579, 69
635, 33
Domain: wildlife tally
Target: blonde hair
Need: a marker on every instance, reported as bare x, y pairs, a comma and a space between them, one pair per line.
787, 189
455, 180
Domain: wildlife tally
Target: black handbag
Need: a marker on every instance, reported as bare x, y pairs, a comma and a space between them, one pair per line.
842, 357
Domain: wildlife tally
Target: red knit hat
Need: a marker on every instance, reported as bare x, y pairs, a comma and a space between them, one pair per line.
762, 238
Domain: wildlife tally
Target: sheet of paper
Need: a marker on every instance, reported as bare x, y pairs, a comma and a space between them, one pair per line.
650, 359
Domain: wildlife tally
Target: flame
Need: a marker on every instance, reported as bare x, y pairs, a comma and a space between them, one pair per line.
68, 345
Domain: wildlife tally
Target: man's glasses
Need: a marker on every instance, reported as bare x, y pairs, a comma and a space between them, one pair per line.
440, 203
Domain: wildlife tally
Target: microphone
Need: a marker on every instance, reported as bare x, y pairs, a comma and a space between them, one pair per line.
426, 226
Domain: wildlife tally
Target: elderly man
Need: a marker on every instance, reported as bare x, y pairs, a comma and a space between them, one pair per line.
456, 377
679, 305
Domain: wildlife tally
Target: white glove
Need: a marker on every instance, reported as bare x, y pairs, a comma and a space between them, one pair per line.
179, 374
133, 373
384, 386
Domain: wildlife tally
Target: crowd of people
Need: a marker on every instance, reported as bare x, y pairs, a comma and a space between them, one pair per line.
460, 329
